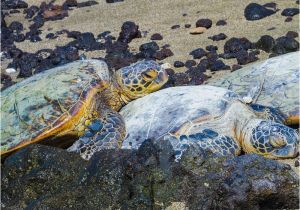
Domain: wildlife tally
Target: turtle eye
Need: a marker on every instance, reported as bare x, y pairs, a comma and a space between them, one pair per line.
149, 75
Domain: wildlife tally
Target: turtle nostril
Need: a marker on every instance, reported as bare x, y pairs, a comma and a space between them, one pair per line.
277, 142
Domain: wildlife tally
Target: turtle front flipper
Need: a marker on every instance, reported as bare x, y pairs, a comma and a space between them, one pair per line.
106, 132
268, 113
208, 140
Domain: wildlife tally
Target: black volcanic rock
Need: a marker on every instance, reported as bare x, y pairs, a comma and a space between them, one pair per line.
147, 178
290, 12
129, 31
156, 36
285, 45
178, 64
198, 53
234, 45
221, 23
265, 43
206, 23
254, 11
218, 37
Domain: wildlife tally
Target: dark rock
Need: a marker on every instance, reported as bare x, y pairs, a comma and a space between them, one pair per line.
198, 53
74, 34
113, 1
227, 55
16, 26
181, 79
243, 57
272, 5
175, 26
19, 37
13, 4
119, 59
162, 54
290, 12
204, 63
148, 49
297, 163
178, 64
156, 36
270, 29
70, 3
212, 56
15, 53
129, 31
33, 35
219, 65
6, 81
86, 4
38, 22
218, 37
206, 23
297, 2
190, 63
221, 23
235, 67
288, 19
234, 45
292, 34
14, 11
265, 43
31, 11
255, 12
197, 76
149, 178
285, 45
187, 25
211, 48
86, 41
51, 36
184, 14
104, 34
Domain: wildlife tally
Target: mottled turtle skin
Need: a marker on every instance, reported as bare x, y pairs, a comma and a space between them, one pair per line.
275, 82
80, 99
213, 118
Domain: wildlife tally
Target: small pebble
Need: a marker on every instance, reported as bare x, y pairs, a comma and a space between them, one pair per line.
113, 1
184, 14
206, 23
221, 23
175, 27
265, 43
198, 53
156, 36
198, 30
187, 25
190, 63
292, 34
288, 19
129, 31
211, 48
219, 65
235, 67
272, 28
10, 70
218, 37
178, 64
290, 12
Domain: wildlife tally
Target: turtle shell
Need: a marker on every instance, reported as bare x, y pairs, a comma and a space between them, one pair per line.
279, 80
164, 111
50, 102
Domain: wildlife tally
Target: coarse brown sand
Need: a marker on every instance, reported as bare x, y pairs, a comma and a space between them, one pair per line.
157, 16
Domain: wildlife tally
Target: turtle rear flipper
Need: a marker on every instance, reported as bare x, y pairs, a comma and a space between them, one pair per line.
106, 132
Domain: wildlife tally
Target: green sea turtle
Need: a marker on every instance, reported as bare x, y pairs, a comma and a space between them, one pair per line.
80, 99
273, 82
211, 117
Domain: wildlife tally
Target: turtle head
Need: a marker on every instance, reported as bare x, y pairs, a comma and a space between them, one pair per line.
140, 79
270, 139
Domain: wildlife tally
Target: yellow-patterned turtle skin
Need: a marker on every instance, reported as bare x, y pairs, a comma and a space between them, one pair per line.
275, 82
76, 99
